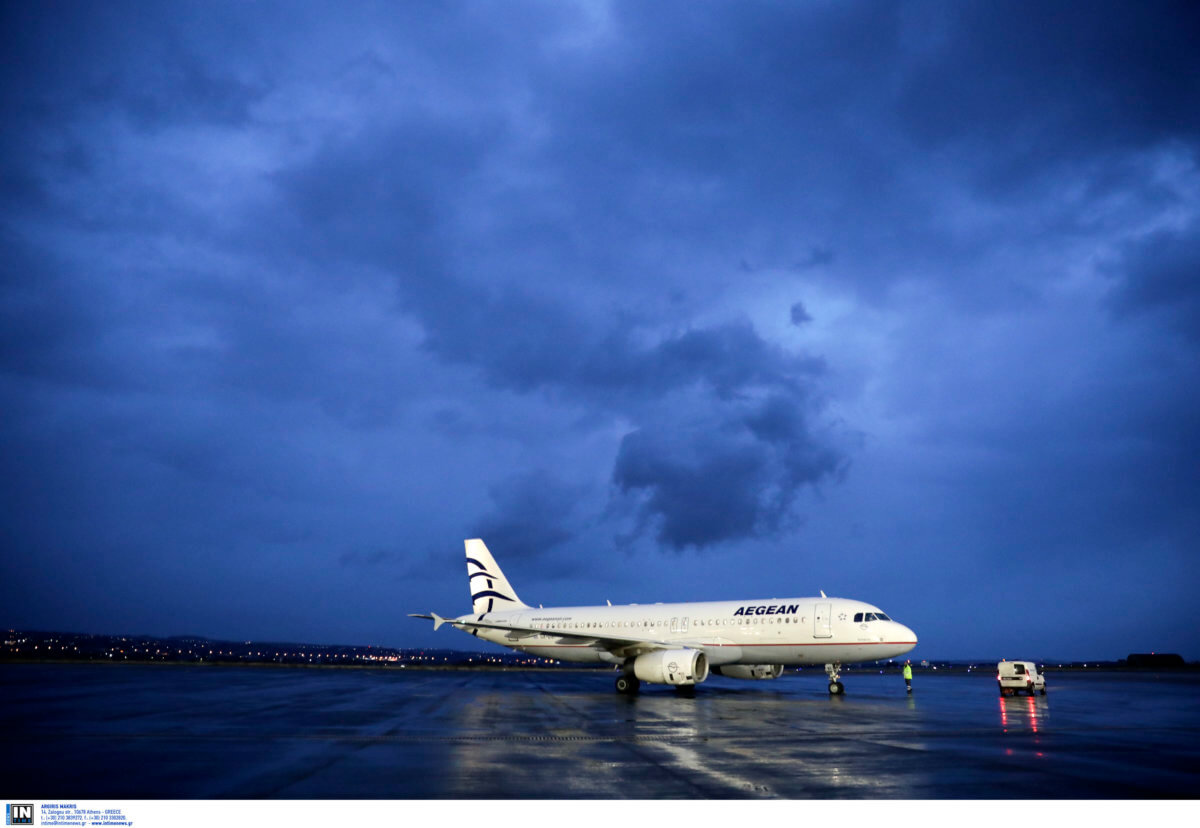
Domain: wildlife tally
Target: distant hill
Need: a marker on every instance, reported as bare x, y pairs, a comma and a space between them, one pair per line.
1155, 660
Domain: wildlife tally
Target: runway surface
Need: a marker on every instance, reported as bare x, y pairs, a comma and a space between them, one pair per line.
171, 732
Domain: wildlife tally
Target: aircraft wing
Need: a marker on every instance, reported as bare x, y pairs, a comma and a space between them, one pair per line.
620, 646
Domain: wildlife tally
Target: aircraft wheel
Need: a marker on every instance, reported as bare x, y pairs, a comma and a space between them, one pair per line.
836, 688
1043, 691
688, 691
627, 685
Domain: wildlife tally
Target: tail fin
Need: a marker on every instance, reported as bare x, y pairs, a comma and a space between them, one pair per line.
490, 590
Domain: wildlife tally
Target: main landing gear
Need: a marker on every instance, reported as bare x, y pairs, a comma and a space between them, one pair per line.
628, 684
836, 688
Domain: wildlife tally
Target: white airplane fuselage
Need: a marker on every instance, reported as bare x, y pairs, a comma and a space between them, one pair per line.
788, 631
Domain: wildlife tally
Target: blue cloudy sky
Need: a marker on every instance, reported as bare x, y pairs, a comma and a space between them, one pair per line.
664, 301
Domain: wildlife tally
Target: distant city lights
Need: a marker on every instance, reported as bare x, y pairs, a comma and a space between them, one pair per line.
43, 646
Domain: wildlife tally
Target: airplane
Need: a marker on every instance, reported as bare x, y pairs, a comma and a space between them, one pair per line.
680, 644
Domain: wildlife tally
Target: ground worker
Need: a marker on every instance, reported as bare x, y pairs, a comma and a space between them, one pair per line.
908, 675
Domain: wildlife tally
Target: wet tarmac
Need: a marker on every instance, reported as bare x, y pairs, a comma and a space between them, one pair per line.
176, 732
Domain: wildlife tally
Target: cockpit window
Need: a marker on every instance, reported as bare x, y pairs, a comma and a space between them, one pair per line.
858, 617
882, 617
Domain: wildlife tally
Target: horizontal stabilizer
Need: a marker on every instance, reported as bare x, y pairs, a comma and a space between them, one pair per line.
434, 617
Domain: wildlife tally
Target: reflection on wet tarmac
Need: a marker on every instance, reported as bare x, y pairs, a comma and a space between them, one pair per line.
178, 732
1023, 712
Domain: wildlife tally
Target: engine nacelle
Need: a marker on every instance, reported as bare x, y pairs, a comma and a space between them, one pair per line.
672, 667
750, 671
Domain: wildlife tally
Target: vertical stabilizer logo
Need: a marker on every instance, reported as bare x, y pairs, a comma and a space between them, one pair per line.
18, 814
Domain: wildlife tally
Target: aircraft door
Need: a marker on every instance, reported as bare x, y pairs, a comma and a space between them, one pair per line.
683, 624
518, 621
821, 615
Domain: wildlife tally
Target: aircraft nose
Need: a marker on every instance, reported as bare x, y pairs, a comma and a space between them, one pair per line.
906, 634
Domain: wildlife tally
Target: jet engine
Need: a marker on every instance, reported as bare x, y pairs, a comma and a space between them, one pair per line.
672, 667
750, 671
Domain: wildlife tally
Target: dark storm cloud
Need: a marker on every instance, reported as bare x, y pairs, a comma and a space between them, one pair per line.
698, 133
725, 480
736, 472
531, 514
703, 488
752, 464
1160, 276
531, 346
1040, 86
74, 73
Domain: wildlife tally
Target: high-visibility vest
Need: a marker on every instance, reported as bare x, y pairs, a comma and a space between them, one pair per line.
908, 671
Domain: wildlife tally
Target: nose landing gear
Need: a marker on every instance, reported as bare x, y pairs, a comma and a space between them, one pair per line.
836, 688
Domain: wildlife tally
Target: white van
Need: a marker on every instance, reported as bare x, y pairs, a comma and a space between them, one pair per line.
1015, 676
